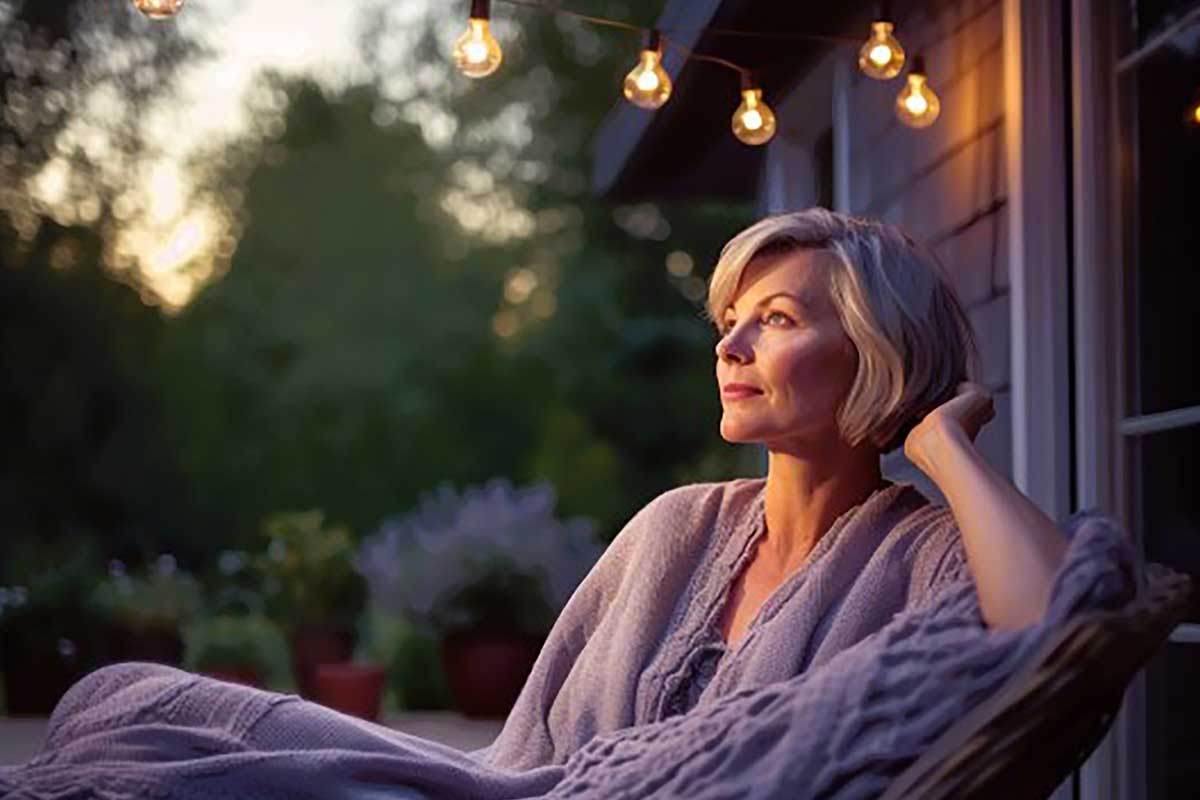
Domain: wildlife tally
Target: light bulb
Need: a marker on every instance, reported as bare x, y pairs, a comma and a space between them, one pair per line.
648, 85
1193, 112
753, 121
881, 56
158, 9
477, 53
917, 105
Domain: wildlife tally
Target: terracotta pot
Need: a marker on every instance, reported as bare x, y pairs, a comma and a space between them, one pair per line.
313, 646
485, 671
245, 677
355, 689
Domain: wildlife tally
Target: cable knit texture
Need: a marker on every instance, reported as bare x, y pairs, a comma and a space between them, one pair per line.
849, 670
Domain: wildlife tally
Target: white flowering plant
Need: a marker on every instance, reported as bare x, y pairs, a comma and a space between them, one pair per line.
489, 558
159, 597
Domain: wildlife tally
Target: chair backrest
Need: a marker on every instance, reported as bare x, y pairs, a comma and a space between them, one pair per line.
1046, 720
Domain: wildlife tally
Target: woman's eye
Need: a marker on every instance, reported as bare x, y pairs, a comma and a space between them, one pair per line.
773, 318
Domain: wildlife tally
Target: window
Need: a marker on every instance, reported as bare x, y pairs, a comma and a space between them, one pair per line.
1158, 76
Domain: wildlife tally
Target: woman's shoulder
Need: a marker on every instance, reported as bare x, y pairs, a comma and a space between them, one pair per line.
707, 502
693, 506
736, 491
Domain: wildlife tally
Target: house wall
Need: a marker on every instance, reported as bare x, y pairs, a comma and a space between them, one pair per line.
945, 184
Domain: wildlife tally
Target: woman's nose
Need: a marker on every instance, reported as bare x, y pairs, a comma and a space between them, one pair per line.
731, 349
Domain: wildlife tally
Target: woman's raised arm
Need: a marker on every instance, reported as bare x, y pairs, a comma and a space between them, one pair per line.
1013, 548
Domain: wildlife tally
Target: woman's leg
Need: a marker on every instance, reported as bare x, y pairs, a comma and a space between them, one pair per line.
122, 697
76, 709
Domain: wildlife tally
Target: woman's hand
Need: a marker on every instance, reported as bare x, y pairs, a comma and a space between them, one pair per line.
964, 414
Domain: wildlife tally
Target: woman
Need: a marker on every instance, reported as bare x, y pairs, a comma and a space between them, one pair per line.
725, 618
837, 335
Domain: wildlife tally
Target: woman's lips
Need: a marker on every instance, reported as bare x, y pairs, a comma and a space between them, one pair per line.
738, 391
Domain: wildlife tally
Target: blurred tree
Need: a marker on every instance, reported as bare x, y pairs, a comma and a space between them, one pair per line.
76, 77
342, 361
81, 441
79, 431
425, 290
621, 344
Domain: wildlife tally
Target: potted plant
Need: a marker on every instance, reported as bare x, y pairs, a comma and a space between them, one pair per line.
412, 654
488, 570
235, 648
351, 687
312, 590
146, 610
48, 632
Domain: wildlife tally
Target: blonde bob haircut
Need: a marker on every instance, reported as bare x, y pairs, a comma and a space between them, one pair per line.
914, 341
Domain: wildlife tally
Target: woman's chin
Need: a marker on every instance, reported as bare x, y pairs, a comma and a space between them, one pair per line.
737, 434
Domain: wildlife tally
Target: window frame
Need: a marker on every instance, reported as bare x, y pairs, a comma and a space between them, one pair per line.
1104, 229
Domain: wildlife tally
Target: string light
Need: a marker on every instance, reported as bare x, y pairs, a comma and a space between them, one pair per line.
753, 121
476, 53
648, 85
918, 105
158, 9
881, 56
1193, 111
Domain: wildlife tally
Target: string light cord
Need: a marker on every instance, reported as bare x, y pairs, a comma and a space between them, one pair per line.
792, 37
639, 29
613, 23
702, 57
705, 31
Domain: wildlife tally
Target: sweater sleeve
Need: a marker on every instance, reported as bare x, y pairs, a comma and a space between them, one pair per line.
940, 559
529, 736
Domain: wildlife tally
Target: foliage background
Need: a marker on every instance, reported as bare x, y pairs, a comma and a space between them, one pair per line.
406, 280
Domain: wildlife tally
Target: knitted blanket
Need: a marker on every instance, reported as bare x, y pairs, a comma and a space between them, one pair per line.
850, 669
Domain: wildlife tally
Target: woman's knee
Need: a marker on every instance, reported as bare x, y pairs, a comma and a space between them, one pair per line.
108, 680
102, 683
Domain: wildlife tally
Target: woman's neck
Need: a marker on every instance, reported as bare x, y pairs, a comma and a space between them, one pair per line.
806, 494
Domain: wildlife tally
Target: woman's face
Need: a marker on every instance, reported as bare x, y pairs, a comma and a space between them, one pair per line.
784, 363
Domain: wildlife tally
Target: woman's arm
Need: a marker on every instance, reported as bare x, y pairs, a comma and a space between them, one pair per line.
1013, 549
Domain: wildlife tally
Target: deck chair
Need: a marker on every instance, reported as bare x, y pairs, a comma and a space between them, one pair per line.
1046, 720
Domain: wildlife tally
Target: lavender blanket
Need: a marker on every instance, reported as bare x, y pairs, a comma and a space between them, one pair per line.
850, 669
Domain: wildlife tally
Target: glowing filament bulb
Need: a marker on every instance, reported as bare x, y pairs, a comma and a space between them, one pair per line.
1193, 112
158, 9
917, 105
753, 121
476, 53
648, 85
881, 56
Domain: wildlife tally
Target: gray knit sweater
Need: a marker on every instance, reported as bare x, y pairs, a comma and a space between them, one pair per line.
850, 668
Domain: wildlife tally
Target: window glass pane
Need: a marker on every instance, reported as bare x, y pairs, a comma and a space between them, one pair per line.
1153, 16
1172, 735
1166, 283
1169, 503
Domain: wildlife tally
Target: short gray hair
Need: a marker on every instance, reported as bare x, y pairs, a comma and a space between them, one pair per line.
915, 343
